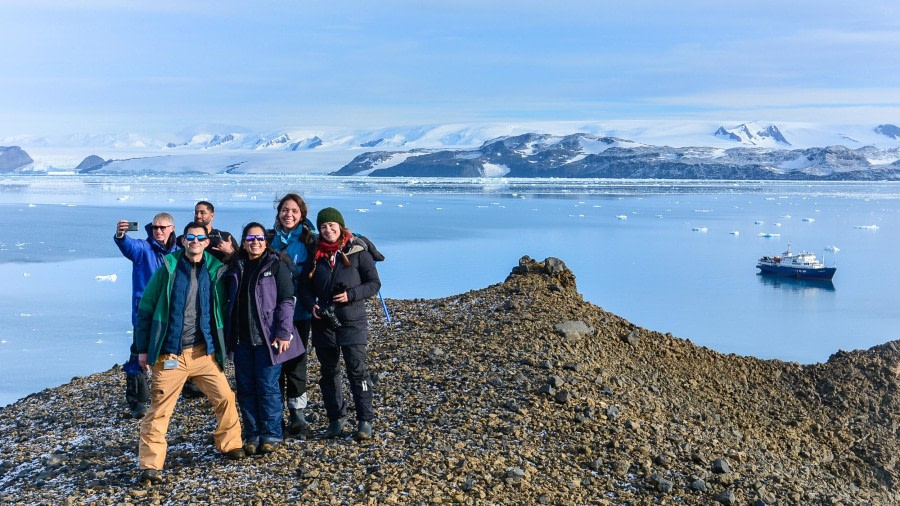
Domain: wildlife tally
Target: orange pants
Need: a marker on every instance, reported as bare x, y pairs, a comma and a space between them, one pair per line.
166, 384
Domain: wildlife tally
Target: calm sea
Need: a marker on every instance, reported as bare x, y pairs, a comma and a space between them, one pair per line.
671, 256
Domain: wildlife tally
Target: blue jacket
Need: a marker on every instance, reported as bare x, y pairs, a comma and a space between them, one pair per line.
146, 255
297, 251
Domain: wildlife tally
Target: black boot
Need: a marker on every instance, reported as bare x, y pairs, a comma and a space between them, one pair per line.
297, 421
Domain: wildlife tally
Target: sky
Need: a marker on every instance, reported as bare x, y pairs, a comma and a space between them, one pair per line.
110, 66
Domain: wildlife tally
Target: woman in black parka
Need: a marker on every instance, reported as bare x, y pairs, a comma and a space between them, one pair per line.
342, 276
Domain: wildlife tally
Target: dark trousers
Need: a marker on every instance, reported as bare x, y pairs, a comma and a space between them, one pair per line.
293, 371
137, 385
357, 374
257, 392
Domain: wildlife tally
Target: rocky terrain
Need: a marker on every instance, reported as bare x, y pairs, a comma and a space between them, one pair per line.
519, 393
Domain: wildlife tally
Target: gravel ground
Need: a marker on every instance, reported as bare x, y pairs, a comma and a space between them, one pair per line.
519, 393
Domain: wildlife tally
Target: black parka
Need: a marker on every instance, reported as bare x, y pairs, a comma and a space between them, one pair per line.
361, 282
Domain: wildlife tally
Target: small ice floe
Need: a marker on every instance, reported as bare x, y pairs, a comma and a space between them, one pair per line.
32, 205
123, 197
659, 216
98, 341
399, 205
377, 202
111, 278
867, 227
778, 224
3, 341
787, 216
700, 229
702, 210
768, 234
758, 222
438, 208
735, 232
833, 249
770, 198
362, 210
21, 244
25, 315
621, 217
810, 220
26, 274
597, 205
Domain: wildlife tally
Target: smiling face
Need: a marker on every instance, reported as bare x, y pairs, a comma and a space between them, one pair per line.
254, 242
193, 248
161, 230
289, 216
203, 215
331, 231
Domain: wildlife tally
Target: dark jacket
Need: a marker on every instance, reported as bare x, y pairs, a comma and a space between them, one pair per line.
360, 280
294, 246
154, 311
146, 256
272, 306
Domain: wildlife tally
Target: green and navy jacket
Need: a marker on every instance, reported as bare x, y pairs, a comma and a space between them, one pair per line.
154, 310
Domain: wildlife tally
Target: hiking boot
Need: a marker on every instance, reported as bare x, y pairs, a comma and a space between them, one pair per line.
250, 448
267, 447
139, 411
149, 477
335, 428
363, 431
236, 454
296, 421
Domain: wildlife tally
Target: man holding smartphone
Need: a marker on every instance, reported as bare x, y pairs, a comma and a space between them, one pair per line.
146, 256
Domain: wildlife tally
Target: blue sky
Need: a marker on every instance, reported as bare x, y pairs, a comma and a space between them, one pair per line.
105, 66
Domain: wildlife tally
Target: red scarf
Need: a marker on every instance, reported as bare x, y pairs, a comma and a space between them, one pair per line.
328, 249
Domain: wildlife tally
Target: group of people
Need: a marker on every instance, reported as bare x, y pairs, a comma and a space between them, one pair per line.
202, 296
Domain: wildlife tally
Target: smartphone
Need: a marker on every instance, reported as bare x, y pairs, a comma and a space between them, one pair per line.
132, 226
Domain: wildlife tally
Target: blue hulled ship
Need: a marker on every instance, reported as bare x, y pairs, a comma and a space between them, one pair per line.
803, 265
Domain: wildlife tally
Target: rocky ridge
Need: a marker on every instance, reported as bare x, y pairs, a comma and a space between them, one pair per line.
518, 393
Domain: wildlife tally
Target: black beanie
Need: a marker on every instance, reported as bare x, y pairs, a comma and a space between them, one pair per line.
329, 214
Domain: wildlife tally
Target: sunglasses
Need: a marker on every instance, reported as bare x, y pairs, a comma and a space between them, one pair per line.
191, 237
251, 238
160, 227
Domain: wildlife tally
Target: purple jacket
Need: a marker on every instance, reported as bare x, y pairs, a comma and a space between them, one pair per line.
274, 314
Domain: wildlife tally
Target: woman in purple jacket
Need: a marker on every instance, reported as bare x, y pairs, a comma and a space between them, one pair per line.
259, 329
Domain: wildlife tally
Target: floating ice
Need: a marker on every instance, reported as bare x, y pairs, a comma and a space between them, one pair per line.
123, 197
867, 227
778, 224
362, 210
758, 222
621, 216
768, 234
32, 205
107, 277
26, 274
735, 232
702, 210
659, 216
98, 341
833, 249
377, 202
786, 216
809, 219
700, 229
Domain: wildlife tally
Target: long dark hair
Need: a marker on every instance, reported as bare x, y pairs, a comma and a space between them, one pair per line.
306, 235
253, 224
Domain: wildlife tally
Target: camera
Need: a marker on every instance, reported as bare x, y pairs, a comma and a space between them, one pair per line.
327, 315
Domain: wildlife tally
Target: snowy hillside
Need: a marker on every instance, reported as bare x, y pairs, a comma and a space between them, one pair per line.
211, 148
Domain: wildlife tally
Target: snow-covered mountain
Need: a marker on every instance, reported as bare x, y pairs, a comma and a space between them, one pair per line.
480, 149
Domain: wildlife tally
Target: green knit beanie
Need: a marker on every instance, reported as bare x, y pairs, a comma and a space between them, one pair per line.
329, 214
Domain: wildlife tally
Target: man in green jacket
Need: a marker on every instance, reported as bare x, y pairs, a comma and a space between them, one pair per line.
179, 336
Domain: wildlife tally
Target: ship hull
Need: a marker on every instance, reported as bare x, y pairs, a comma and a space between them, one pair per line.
789, 272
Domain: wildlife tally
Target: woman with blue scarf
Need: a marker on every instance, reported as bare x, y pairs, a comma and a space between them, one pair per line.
293, 236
